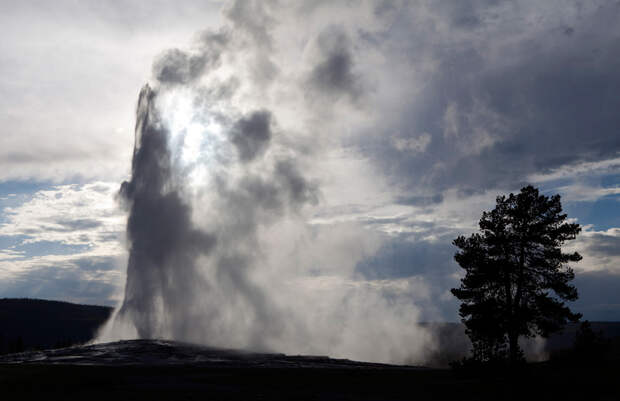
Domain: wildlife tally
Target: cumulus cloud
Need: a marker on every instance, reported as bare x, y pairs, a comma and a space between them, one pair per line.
64, 242
68, 214
600, 250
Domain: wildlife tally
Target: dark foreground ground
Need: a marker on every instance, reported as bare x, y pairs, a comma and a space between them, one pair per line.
157, 370
71, 382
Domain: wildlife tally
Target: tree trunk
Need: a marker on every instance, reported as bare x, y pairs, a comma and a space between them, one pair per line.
513, 335
513, 338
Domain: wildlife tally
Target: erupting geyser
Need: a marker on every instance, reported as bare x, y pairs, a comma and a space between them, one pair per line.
161, 270
222, 249
184, 282
167, 280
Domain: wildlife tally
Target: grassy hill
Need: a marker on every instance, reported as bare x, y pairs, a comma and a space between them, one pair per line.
38, 324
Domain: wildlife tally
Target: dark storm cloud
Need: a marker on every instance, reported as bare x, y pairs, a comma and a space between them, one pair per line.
563, 110
333, 74
497, 109
251, 134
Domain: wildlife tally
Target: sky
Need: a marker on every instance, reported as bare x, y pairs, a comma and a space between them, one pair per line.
407, 119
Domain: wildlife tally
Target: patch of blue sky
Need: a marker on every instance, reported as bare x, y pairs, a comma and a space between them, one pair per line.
14, 193
44, 248
16, 243
610, 181
603, 213
11, 241
22, 187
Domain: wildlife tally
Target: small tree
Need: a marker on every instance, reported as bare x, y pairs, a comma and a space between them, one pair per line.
516, 274
590, 346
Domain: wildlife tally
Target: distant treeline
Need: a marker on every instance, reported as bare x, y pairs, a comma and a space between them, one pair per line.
30, 324
452, 344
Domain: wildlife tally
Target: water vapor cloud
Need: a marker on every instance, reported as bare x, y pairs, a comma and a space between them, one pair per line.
223, 184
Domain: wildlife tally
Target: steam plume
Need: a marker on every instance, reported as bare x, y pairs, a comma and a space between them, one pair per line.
221, 250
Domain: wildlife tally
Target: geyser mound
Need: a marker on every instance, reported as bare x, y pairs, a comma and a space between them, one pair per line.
174, 353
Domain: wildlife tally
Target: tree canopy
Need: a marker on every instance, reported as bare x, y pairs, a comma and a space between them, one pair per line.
517, 276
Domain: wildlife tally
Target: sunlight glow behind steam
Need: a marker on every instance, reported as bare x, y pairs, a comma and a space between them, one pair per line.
196, 139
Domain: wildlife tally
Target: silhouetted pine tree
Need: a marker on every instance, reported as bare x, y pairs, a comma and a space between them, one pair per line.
516, 274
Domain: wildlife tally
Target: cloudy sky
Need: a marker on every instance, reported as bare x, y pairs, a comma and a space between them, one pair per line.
408, 118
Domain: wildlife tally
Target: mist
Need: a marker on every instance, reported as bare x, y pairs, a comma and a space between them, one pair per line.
224, 241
